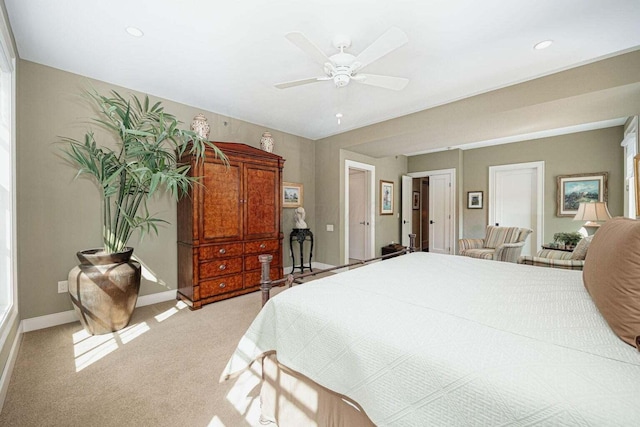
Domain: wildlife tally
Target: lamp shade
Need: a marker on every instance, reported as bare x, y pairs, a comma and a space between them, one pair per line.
593, 211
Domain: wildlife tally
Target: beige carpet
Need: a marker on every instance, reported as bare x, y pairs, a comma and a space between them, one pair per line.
162, 370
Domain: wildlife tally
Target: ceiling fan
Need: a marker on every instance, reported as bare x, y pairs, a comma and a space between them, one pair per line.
343, 67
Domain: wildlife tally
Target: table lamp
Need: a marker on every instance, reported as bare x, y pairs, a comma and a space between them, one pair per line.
592, 212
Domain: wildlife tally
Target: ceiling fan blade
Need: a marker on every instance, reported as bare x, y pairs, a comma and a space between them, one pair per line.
301, 82
308, 47
387, 82
389, 41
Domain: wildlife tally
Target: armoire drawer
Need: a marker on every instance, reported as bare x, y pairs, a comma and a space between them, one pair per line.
220, 286
220, 251
251, 262
220, 267
261, 246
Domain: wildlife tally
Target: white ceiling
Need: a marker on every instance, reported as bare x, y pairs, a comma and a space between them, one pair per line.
225, 57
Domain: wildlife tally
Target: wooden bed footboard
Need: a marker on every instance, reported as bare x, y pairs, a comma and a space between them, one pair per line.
265, 261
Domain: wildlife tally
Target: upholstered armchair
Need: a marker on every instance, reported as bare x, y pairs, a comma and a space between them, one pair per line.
499, 244
560, 259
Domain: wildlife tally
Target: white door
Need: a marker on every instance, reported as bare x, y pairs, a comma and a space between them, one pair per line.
440, 218
369, 204
407, 209
357, 214
516, 199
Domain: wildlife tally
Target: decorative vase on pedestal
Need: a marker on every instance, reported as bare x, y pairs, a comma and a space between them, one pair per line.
104, 289
266, 142
200, 126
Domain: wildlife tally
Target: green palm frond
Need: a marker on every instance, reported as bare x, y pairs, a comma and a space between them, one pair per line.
145, 162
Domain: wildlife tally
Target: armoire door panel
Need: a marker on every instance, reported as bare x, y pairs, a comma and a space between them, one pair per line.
262, 210
222, 207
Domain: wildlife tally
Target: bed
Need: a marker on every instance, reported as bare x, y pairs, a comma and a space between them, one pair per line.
427, 339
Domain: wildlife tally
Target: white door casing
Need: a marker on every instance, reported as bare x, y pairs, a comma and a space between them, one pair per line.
370, 173
357, 214
516, 199
439, 217
407, 209
443, 202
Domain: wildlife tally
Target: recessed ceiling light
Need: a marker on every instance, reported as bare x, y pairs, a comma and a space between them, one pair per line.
543, 44
135, 31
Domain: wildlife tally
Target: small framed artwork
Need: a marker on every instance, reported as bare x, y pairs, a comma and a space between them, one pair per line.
292, 194
386, 197
575, 189
416, 200
636, 171
474, 199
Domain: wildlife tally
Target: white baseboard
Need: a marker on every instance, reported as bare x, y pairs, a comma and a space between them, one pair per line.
321, 266
156, 298
49, 320
11, 361
314, 265
55, 319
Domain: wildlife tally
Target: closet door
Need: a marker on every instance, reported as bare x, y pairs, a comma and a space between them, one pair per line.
221, 205
262, 202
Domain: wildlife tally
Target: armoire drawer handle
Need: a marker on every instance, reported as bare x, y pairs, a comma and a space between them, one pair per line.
222, 267
222, 251
222, 285
262, 246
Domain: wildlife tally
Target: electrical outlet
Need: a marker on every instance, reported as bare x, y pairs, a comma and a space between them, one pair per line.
329, 227
63, 286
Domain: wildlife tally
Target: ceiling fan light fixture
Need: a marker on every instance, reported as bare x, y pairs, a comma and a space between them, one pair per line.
543, 44
342, 66
341, 80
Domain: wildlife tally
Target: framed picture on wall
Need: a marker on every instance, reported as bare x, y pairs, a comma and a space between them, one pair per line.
474, 199
416, 200
292, 194
386, 197
575, 189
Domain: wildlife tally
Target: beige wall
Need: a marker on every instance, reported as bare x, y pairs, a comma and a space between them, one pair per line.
584, 152
57, 216
330, 208
603, 90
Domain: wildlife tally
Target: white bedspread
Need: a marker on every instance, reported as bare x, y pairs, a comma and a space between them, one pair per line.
426, 339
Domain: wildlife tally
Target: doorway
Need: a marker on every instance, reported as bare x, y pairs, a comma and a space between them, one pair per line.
516, 199
357, 214
424, 213
359, 221
435, 218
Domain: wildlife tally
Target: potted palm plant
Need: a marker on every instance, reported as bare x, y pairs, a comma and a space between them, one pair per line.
144, 161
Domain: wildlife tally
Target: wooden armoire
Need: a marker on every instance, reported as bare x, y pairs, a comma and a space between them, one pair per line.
229, 218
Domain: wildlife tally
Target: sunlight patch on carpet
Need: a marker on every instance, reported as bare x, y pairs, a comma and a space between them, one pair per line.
88, 349
173, 310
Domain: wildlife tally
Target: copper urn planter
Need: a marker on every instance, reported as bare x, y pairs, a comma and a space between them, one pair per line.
104, 289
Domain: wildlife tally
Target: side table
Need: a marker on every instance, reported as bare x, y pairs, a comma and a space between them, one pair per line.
391, 248
565, 249
300, 235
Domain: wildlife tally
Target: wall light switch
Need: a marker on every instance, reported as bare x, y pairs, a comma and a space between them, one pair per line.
63, 286
329, 227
